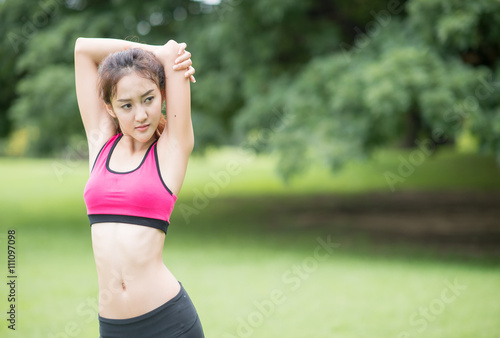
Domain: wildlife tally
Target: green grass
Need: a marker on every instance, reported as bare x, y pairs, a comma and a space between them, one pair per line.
235, 255
444, 169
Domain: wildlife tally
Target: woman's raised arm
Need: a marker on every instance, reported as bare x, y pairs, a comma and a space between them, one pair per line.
179, 128
177, 140
89, 52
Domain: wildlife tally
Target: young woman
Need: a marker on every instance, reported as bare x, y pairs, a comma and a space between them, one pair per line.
138, 160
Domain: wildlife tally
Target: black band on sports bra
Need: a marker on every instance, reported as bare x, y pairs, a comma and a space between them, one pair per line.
149, 222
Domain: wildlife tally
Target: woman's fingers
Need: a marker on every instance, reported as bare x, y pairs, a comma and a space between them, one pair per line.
185, 56
190, 72
184, 62
182, 47
183, 65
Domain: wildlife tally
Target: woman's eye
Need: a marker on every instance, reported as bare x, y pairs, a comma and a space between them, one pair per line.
149, 99
126, 106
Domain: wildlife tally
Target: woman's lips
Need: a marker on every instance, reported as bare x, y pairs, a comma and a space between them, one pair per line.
142, 127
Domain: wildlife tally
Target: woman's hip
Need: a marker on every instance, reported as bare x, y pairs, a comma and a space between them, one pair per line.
175, 318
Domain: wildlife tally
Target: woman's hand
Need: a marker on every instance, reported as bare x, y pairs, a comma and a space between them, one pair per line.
182, 57
184, 62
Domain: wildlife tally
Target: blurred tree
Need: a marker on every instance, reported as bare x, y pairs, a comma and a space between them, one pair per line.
466, 28
38, 92
10, 21
392, 82
309, 79
471, 30
272, 42
397, 88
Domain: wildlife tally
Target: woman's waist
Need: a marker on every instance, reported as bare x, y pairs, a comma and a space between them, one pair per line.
116, 245
112, 273
129, 293
127, 263
133, 235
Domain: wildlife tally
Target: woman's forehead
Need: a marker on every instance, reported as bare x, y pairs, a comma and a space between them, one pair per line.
133, 85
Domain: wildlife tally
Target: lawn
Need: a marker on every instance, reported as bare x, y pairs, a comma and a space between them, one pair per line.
250, 271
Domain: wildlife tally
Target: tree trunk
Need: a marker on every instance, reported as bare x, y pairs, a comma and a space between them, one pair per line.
413, 127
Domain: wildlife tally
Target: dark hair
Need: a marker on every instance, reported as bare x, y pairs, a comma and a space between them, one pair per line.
117, 65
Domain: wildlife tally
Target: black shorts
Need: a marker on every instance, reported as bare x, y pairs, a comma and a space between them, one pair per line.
175, 318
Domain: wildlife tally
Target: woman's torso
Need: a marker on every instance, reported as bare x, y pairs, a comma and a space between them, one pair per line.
132, 277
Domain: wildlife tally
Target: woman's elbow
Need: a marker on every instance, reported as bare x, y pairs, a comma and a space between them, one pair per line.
78, 45
189, 145
81, 45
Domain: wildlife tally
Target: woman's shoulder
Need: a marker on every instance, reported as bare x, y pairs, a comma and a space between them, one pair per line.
98, 146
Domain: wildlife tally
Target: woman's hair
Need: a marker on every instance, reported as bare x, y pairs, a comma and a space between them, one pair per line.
117, 65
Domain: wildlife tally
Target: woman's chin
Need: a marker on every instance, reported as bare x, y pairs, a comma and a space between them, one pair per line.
145, 136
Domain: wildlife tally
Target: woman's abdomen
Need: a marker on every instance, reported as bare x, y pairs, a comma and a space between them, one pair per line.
132, 277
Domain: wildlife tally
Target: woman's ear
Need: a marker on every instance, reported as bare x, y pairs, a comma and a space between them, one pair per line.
109, 109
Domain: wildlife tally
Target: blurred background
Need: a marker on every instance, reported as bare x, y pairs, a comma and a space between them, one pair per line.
345, 180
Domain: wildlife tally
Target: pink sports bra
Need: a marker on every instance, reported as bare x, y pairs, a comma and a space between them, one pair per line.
138, 197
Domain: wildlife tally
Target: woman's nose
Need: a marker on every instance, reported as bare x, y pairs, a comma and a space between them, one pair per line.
140, 114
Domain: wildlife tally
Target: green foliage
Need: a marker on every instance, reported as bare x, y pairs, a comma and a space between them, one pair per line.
343, 107
40, 42
50, 109
308, 80
457, 25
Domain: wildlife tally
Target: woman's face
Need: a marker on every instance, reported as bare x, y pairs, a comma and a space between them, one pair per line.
137, 106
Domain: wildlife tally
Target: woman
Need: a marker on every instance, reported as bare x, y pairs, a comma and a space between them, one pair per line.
137, 165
